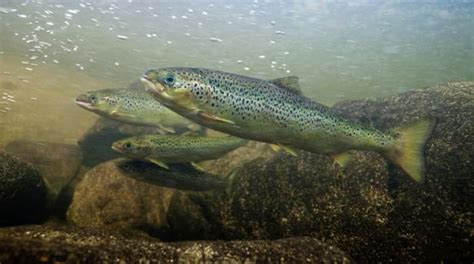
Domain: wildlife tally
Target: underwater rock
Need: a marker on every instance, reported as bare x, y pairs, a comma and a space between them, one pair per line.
47, 244
234, 160
105, 197
97, 141
23, 193
57, 163
433, 221
369, 208
306, 195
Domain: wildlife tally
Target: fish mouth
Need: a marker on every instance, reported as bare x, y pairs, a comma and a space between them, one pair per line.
116, 148
83, 101
151, 85
83, 104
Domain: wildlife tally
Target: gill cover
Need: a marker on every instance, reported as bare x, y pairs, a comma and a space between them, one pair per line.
174, 88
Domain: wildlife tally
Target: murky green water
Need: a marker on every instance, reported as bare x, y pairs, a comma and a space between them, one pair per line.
58, 169
53, 50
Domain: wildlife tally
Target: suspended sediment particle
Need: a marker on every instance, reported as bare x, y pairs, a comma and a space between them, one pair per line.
122, 37
215, 39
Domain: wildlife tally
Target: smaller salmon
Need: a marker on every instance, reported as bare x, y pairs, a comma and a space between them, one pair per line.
133, 106
179, 176
163, 149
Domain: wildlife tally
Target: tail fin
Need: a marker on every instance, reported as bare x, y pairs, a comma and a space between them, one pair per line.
408, 152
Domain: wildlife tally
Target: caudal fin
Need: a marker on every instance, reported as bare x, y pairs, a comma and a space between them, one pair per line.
408, 152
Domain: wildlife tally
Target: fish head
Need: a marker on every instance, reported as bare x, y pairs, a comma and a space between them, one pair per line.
131, 147
101, 102
181, 89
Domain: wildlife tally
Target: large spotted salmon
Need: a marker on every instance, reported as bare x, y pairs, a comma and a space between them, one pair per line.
276, 112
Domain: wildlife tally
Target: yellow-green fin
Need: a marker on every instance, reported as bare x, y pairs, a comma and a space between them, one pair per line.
161, 131
231, 175
213, 118
188, 133
197, 167
159, 163
194, 127
167, 129
290, 83
342, 159
230, 178
119, 114
408, 152
279, 148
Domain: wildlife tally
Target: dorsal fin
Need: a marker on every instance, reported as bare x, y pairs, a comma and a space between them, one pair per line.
290, 83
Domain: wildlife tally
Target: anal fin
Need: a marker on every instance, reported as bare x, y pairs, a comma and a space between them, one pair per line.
343, 158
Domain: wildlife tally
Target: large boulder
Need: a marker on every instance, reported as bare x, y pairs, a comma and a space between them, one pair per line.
432, 222
78, 245
106, 197
23, 193
57, 163
370, 208
234, 160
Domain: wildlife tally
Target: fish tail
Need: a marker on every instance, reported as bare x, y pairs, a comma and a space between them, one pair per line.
408, 151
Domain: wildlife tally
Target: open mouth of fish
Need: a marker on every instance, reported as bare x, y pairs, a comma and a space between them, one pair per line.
151, 85
82, 101
116, 148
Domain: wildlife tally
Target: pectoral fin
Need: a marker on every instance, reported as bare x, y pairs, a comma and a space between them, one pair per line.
161, 131
343, 158
213, 118
194, 127
188, 133
159, 163
167, 129
197, 167
119, 114
279, 148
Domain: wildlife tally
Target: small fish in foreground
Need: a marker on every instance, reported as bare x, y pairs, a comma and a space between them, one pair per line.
277, 112
163, 149
178, 176
133, 106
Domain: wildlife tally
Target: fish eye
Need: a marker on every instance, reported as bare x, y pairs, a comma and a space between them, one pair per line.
93, 98
169, 80
127, 145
